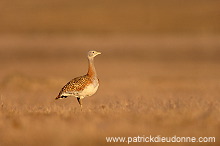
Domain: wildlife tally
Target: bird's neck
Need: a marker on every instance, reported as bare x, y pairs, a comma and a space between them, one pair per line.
91, 70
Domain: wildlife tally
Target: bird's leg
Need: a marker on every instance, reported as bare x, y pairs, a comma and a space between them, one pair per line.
80, 102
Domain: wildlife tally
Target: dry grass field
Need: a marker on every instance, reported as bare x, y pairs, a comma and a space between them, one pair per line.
149, 86
112, 16
159, 70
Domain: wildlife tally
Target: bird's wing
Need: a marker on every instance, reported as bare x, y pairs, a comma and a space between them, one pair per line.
75, 85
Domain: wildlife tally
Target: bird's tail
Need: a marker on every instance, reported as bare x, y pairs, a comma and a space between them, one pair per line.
60, 97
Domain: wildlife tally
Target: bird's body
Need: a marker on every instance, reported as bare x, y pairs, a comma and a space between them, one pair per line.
79, 87
83, 86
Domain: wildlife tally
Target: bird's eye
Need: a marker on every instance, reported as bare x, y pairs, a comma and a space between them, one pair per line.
93, 52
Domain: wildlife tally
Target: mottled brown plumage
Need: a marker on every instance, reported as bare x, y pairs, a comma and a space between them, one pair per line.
82, 86
76, 84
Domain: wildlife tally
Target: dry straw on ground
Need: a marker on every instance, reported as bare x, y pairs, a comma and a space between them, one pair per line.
149, 86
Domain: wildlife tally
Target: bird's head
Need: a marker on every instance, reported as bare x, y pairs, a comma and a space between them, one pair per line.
92, 54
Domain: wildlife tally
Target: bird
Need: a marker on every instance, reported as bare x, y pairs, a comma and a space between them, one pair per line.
82, 86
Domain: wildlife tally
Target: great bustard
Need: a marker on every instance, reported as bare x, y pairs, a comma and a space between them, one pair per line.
82, 86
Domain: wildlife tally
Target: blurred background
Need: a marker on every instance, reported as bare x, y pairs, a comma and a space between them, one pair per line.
160, 59
108, 17
172, 43
48, 28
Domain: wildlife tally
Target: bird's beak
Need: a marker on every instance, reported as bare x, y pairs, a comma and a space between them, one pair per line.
99, 53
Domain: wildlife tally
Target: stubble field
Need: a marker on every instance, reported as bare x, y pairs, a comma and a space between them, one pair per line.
150, 85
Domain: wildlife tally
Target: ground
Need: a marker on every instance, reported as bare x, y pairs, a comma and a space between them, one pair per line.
149, 85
